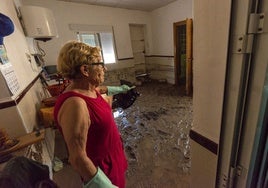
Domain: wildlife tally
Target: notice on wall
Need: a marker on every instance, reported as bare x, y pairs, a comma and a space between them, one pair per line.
8, 71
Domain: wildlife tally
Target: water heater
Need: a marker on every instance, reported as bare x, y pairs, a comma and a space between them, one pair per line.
38, 22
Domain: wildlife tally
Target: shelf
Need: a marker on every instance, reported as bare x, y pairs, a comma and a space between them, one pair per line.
25, 141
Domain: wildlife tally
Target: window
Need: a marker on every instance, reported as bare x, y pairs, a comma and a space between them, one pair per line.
101, 36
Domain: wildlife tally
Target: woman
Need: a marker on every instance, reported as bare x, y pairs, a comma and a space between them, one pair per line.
86, 120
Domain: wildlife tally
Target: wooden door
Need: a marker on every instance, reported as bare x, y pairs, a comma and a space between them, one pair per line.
183, 34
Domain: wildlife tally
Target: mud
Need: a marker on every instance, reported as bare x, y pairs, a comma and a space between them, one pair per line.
155, 132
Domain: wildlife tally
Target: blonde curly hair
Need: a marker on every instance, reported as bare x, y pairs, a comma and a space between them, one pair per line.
74, 54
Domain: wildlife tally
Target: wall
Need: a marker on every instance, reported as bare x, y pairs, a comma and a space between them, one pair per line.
159, 21
161, 65
75, 13
162, 25
25, 71
96, 15
210, 45
18, 112
161, 68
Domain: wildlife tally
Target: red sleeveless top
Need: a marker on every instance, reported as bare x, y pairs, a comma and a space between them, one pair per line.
104, 146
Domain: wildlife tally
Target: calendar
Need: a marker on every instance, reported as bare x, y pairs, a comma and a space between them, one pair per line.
8, 72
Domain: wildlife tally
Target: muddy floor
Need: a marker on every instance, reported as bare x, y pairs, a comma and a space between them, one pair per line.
155, 134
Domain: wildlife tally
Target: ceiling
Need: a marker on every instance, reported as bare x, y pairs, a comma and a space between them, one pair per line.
143, 5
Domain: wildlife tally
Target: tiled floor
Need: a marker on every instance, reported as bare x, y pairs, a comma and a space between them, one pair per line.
155, 134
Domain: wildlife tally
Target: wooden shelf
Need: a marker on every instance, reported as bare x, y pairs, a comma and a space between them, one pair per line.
25, 141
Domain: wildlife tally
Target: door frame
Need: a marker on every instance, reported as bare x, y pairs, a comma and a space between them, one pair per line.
245, 78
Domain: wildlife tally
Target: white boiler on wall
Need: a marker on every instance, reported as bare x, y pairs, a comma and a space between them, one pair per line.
38, 22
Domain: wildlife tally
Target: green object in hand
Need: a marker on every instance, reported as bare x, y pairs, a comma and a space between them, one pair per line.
99, 180
113, 90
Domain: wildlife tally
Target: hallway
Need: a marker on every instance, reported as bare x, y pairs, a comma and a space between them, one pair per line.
155, 134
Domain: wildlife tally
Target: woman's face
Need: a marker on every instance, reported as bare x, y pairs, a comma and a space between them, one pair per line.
100, 69
97, 73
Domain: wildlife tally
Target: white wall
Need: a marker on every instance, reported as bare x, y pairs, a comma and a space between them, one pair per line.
210, 45
21, 118
159, 24
74, 13
162, 25
159, 29
161, 66
17, 48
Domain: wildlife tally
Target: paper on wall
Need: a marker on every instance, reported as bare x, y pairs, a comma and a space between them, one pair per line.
8, 71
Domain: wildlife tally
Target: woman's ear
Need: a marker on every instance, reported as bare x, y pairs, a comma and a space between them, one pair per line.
84, 70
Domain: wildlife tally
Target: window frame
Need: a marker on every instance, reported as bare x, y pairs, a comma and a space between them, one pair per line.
96, 30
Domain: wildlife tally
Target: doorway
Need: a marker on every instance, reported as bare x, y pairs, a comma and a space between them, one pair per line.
183, 35
137, 35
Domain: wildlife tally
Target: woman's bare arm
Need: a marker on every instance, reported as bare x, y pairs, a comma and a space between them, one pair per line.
75, 121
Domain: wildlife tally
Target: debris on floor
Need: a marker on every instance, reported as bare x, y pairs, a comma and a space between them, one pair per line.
155, 131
